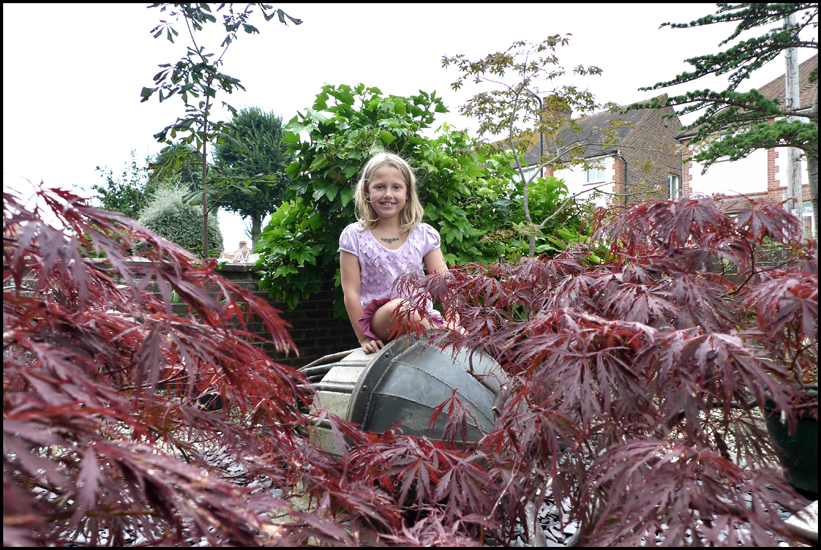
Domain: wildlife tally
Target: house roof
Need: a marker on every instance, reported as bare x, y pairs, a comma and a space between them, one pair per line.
591, 127
243, 254
776, 89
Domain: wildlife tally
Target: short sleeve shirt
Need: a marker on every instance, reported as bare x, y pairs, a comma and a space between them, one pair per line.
380, 266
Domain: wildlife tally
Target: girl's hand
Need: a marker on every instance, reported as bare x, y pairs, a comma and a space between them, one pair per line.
369, 345
453, 324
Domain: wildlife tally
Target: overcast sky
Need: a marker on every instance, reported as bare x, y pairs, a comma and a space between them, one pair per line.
72, 74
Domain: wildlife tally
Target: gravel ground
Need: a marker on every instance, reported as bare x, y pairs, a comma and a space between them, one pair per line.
555, 535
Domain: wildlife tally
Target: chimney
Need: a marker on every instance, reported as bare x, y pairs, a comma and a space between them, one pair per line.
241, 245
560, 106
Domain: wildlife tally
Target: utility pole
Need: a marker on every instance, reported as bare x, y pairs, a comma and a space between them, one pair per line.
792, 102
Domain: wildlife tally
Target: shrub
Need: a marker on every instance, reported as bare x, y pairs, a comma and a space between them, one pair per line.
104, 438
169, 217
649, 367
105, 441
472, 198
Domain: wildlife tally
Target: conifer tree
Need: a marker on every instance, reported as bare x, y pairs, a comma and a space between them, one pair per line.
730, 111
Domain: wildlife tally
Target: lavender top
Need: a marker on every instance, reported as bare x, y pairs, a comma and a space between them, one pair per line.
380, 267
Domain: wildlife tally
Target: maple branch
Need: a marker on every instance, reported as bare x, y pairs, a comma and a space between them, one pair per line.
576, 538
796, 372
715, 405
751, 248
502, 494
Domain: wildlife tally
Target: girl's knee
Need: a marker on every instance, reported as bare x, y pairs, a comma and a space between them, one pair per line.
382, 322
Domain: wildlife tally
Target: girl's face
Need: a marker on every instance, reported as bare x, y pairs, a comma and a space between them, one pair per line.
387, 192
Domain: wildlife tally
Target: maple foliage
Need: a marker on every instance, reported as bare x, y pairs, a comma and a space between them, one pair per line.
626, 380
105, 438
630, 376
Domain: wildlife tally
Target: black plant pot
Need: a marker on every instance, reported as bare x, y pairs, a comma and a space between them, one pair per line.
798, 452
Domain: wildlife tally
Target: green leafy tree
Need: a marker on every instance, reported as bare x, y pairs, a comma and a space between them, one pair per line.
196, 78
510, 109
169, 216
179, 163
466, 193
254, 150
129, 193
743, 116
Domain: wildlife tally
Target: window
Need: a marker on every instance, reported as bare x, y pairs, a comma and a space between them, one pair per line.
725, 158
528, 172
674, 186
595, 175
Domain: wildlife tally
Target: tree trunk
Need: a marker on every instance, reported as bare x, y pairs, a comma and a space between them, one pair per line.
205, 171
204, 204
256, 229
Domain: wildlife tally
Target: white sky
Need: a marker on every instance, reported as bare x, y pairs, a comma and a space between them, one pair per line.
72, 74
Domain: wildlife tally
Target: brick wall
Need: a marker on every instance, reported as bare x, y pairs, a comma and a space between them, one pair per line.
548, 171
773, 191
686, 174
314, 329
652, 155
618, 180
776, 189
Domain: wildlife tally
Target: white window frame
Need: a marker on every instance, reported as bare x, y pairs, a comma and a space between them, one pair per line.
596, 174
674, 186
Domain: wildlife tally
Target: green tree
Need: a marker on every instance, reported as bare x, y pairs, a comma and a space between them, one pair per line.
176, 164
169, 216
466, 193
129, 193
743, 116
255, 149
180, 163
196, 79
509, 109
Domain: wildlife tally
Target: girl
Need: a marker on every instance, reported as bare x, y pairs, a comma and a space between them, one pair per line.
388, 240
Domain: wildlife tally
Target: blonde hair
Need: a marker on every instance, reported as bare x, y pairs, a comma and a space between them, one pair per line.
412, 213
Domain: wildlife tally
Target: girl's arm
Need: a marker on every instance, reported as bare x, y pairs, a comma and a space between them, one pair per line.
351, 288
435, 262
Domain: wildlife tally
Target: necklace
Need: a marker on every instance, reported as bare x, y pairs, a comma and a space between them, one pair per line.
389, 240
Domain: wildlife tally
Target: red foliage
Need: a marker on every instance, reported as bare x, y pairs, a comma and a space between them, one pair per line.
627, 379
104, 437
644, 367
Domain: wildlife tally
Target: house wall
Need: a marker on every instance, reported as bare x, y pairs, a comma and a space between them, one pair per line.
576, 180
651, 152
740, 177
762, 172
652, 155
778, 183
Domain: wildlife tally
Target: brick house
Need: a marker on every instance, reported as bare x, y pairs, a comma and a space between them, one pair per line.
644, 162
762, 174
